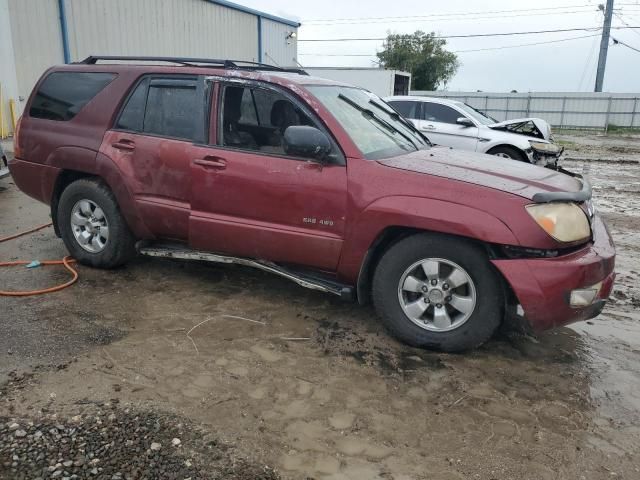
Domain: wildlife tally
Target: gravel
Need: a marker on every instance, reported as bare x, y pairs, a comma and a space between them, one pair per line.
118, 445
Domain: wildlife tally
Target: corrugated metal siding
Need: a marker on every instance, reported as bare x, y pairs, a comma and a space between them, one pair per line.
37, 43
160, 27
276, 48
560, 109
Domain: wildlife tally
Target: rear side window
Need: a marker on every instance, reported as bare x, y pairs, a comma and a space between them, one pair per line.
165, 107
63, 94
406, 108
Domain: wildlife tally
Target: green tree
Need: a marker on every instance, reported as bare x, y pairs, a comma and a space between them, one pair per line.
423, 55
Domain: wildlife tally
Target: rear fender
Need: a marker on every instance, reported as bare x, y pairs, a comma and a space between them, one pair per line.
89, 163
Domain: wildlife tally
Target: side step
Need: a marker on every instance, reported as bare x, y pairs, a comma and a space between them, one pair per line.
307, 280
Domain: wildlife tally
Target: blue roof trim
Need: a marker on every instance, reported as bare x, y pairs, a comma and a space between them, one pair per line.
259, 39
258, 13
64, 32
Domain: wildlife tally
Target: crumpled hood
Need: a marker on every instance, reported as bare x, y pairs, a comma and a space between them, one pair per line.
540, 124
503, 174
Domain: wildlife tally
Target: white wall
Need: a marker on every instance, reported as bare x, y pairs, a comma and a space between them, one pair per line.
276, 48
378, 81
8, 78
560, 109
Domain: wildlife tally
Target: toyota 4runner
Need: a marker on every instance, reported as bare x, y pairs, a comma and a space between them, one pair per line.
320, 182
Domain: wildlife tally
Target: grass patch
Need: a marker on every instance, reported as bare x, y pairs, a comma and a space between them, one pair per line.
618, 130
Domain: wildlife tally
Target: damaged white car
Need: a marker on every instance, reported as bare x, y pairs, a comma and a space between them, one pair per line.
457, 125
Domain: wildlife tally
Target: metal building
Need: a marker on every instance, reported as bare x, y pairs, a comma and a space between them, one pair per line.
35, 34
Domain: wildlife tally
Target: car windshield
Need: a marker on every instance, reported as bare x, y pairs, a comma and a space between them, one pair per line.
375, 127
477, 114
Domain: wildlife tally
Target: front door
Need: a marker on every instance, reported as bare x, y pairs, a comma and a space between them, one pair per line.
250, 199
439, 123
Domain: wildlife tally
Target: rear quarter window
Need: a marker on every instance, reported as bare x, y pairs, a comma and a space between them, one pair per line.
63, 94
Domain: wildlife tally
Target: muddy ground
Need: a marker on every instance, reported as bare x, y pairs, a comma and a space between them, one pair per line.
295, 380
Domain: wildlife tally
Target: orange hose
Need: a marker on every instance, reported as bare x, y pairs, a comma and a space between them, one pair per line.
11, 237
66, 262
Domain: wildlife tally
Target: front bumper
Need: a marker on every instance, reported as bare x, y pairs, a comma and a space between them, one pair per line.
543, 286
544, 159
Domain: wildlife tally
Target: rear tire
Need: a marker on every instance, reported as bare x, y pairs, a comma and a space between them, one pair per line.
505, 151
92, 227
463, 290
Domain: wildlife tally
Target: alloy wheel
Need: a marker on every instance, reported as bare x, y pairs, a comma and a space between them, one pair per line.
89, 226
437, 294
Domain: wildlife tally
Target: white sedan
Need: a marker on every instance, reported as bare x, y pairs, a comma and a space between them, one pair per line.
455, 124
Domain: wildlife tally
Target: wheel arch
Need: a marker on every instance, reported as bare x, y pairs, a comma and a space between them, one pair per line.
123, 198
393, 234
63, 180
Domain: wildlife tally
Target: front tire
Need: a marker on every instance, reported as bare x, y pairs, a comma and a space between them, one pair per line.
439, 292
505, 151
91, 225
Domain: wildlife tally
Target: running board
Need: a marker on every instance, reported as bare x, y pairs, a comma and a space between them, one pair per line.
179, 252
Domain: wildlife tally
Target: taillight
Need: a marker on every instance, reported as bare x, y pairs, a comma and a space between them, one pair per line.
17, 150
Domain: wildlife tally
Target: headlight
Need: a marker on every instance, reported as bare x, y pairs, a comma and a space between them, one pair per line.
550, 148
566, 222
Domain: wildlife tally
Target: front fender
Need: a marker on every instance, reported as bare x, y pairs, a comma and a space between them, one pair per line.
418, 213
497, 138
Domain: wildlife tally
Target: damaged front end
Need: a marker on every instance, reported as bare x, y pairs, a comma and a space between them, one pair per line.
544, 154
542, 149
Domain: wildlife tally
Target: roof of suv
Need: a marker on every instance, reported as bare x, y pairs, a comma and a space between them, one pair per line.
199, 66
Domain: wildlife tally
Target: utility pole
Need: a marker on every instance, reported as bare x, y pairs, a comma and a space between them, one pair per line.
604, 44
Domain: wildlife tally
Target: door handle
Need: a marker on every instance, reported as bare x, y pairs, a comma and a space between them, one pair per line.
428, 127
211, 162
125, 145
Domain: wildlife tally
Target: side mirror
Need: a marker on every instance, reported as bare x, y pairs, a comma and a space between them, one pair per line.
307, 142
464, 121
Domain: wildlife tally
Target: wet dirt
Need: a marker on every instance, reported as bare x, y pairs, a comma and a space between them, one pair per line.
313, 386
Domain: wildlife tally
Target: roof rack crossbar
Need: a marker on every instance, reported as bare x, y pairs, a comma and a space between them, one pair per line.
93, 59
192, 62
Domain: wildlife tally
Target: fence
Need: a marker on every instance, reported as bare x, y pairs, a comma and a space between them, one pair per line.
561, 110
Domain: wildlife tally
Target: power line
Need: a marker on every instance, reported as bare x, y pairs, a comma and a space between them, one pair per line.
527, 44
619, 17
586, 65
446, 14
455, 51
476, 35
616, 41
417, 19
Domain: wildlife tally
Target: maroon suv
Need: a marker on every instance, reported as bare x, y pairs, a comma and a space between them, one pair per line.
318, 181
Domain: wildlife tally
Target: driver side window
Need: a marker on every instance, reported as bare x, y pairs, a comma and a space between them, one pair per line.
255, 119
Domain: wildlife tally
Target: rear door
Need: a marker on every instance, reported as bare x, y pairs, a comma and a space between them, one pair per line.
439, 123
151, 142
250, 199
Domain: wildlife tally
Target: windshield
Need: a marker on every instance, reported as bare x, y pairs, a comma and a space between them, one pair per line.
376, 129
477, 114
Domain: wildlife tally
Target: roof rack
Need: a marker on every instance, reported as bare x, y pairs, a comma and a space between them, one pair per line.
193, 62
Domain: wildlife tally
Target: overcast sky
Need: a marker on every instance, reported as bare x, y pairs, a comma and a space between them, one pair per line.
563, 66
